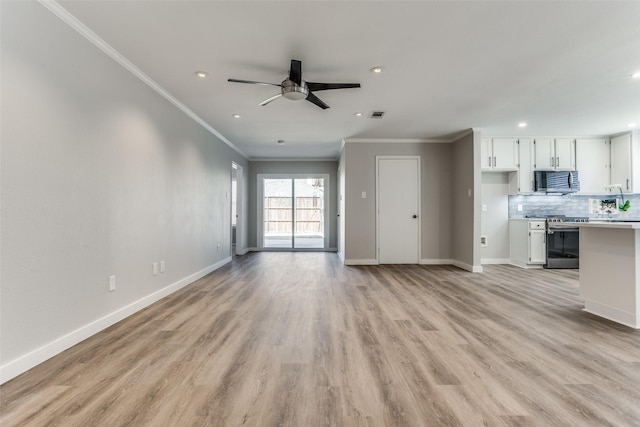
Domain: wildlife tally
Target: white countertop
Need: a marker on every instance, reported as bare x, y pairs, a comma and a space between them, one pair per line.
609, 224
527, 219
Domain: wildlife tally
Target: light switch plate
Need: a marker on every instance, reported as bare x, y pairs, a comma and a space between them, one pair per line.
161, 266
112, 283
155, 268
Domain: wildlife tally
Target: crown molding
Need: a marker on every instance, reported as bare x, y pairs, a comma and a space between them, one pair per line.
83, 30
305, 159
396, 141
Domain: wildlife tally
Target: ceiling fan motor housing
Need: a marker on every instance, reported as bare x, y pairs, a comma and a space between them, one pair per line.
293, 91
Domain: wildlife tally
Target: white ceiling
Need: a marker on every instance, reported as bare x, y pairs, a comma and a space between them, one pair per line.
563, 67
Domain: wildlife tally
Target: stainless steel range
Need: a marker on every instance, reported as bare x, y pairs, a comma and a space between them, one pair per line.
563, 241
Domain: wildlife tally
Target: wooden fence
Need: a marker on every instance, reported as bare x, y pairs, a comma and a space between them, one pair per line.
278, 215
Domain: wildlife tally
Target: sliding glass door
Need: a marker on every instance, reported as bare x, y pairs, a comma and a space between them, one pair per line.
293, 211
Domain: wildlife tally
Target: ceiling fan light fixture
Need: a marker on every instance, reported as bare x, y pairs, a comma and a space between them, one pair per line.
376, 70
201, 74
522, 124
358, 114
293, 91
236, 116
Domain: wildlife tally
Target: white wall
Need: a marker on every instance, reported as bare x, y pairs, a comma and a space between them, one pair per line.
495, 220
100, 176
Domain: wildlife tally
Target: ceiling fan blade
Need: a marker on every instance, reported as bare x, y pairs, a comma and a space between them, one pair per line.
252, 82
314, 99
267, 101
327, 86
295, 73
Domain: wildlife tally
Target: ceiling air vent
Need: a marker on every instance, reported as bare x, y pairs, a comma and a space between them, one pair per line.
377, 114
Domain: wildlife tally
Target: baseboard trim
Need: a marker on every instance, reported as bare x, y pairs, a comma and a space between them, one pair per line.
614, 314
361, 262
435, 261
244, 251
524, 264
27, 361
495, 261
468, 267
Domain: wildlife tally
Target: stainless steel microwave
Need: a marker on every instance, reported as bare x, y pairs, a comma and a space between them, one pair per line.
561, 182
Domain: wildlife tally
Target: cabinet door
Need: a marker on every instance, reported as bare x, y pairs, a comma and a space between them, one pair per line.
565, 154
621, 162
525, 166
592, 163
537, 247
544, 154
505, 153
486, 155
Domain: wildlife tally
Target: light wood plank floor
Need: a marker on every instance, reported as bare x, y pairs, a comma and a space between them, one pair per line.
297, 339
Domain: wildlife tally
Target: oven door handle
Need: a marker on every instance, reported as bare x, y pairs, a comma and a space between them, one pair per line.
563, 230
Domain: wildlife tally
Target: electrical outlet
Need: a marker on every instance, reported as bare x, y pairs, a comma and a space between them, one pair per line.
364, 194
112, 283
519, 207
161, 266
484, 208
218, 247
155, 268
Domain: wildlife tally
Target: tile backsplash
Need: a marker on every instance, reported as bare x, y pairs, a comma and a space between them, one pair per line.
539, 205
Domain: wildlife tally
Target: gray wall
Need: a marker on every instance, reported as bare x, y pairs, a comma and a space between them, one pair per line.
465, 207
359, 161
100, 176
293, 167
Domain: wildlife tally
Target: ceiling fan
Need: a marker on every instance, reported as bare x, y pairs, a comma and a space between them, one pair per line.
295, 88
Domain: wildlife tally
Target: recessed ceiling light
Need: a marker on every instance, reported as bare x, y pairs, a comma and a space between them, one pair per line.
281, 142
632, 125
202, 74
636, 75
358, 114
522, 125
236, 116
376, 70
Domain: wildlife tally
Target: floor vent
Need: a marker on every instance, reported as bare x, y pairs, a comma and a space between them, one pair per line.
377, 114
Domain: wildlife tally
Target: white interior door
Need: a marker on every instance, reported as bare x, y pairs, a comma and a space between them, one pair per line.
398, 201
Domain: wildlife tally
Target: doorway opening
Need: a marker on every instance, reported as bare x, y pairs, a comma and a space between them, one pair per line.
293, 212
237, 247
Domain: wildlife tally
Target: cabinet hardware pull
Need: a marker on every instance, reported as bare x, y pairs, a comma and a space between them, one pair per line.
494, 161
552, 162
489, 161
557, 161
627, 183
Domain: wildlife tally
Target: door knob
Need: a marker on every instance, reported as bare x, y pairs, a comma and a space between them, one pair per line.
415, 216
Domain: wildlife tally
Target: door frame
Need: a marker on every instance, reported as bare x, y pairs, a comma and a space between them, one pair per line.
260, 211
418, 160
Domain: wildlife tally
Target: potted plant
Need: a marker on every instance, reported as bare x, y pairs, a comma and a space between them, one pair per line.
626, 204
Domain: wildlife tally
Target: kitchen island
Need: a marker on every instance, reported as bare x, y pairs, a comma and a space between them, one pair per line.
610, 270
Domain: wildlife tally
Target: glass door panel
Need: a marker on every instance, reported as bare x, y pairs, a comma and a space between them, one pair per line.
278, 213
309, 213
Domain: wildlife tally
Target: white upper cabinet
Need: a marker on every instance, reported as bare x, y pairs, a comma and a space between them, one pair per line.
554, 154
544, 154
499, 154
593, 159
525, 166
625, 157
